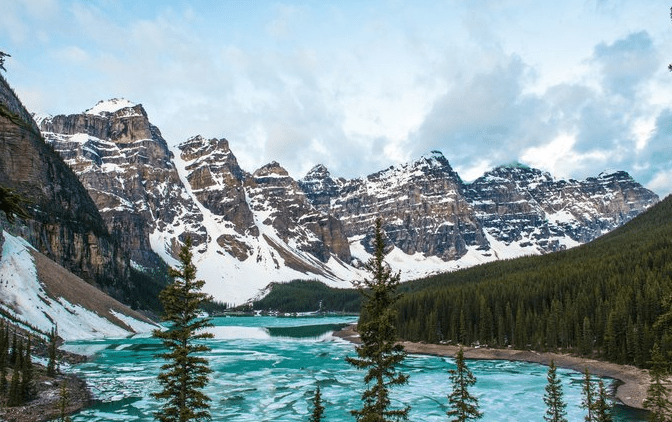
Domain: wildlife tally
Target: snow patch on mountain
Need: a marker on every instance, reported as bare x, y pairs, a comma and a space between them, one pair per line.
109, 106
24, 298
230, 280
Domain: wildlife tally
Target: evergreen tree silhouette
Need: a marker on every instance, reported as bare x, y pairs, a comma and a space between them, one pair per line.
186, 373
378, 353
464, 406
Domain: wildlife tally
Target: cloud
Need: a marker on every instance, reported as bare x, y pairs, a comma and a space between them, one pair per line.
483, 113
359, 87
570, 129
627, 63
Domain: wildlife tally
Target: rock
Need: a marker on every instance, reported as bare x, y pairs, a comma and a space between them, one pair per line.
127, 168
65, 223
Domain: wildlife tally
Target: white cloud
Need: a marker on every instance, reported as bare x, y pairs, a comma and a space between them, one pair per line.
361, 86
661, 182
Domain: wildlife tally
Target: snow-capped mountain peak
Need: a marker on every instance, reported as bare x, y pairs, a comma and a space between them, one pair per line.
253, 229
109, 106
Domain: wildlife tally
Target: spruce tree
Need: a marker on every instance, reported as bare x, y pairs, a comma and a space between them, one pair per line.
588, 401
378, 353
657, 401
4, 358
51, 364
27, 381
64, 403
318, 409
555, 406
186, 373
3, 375
464, 405
602, 406
14, 398
12, 355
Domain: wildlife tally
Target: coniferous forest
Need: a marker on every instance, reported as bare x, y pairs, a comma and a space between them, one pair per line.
601, 299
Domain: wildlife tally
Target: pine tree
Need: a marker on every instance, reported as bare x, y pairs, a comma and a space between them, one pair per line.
602, 407
4, 358
64, 403
378, 352
14, 397
555, 406
27, 381
464, 405
318, 409
51, 364
588, 401
186, 373
657, 400
12, 355
3, 375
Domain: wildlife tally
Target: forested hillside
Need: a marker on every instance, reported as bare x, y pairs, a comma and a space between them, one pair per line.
600, 299
309, 296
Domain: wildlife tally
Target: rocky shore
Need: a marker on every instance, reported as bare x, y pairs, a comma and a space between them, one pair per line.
631, 392
49, 403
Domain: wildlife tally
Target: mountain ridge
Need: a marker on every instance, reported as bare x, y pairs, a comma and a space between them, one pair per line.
251, 229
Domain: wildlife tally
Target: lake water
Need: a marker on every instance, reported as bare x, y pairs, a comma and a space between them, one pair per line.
267, 368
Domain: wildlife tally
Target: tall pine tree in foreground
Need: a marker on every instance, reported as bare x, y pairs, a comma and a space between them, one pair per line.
588, 401
657, 401
602, 406
378, 353
555, 405
318, 409
464, 405
186, 373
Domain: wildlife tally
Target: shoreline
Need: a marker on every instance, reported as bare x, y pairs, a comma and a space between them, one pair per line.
631, 392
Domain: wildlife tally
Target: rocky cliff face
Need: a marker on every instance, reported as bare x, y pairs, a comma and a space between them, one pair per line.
65, 223
127, 168
509, 211
262, 217
248, 229
517, 204
422, 204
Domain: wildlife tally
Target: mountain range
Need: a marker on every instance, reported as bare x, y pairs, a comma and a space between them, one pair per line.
251, 229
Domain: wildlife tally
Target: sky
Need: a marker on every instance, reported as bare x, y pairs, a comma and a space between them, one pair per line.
574, 88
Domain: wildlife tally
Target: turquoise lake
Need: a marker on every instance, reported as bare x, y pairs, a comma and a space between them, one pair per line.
267, 368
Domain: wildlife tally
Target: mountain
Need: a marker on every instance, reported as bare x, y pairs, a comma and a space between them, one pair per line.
251, 229
125, 165
64, 223
39, 295
514, 210
605, 299
51, 260
247, 229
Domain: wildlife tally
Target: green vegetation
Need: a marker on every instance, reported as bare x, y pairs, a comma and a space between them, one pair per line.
657, 400
555, 405
464, 406
186, 373
602, 405
309, 296
588, 401
51, 364
318, 409
601, 299
21, 388
11, 204
379, 353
